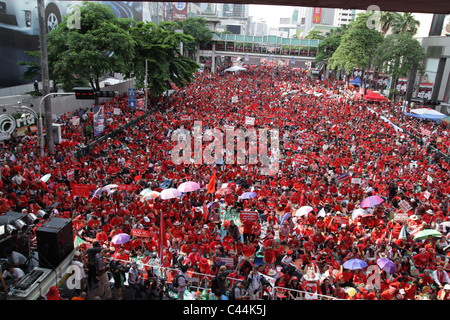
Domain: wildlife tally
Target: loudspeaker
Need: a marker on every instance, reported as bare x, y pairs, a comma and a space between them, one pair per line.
54, 242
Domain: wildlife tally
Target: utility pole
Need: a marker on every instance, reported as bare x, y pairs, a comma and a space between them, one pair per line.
146, 85
45, 75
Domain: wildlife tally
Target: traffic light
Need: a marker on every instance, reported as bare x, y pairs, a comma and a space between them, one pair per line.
106, 94
84, 93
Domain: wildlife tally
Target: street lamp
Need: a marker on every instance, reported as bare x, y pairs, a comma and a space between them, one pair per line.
41, 128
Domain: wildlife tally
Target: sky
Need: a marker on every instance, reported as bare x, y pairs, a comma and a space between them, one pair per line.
272, 15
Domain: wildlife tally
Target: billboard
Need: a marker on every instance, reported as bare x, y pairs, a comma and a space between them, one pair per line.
317, 15
179, 11
19, 30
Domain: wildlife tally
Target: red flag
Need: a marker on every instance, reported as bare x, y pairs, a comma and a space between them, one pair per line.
211, 187
205, 211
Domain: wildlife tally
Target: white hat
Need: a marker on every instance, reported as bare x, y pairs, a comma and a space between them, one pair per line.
447, 287
430, 211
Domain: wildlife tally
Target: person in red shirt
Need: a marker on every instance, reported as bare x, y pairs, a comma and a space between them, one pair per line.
121, 255
247, 225
117, 221
421, 260
389, 294
102, 237
93, 224
248, 250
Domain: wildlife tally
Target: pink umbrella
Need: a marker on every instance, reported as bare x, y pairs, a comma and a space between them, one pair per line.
188, 186
170, 193
371, 201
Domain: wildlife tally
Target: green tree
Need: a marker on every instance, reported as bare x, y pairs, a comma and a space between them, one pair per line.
102, 44
357, 46
397, 55
387, 21
195, 27
159, 46
32, 68
315, 34
331, 42
406, 23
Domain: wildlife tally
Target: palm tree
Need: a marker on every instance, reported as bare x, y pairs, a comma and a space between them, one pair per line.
388, 20
406, 23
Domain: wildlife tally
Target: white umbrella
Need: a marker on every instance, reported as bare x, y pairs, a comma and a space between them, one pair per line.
303, 211
144, 192
109, 187
358, 212
170, 193
46, 177
151, 195
234, 69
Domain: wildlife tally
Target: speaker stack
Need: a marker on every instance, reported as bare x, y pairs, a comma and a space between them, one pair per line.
54, 242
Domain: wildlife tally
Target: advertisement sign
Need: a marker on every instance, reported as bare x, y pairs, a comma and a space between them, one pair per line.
179, 11
402, 84
383, 80
317, 15
425, 90
19, 27
132, 98
99, 120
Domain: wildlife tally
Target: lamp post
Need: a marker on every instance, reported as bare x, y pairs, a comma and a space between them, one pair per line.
41, 128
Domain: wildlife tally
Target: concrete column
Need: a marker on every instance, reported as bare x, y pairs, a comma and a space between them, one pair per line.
438, 80
213, 57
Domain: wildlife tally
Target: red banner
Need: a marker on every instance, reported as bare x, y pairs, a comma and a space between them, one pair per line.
341, 220
317, 15
140, 233
125, 187
248, 215
81, 190
300, 158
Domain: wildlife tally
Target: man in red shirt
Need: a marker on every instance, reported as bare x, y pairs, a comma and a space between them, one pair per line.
421, 260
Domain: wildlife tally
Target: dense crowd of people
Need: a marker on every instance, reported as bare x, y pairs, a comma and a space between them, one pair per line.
353, 149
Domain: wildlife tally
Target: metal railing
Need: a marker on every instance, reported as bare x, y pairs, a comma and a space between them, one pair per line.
196, 279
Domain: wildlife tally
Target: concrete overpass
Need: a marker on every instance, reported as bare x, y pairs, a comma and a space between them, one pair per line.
252, 48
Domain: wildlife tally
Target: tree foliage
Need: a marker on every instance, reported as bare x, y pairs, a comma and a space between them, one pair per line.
101, 45
106, 43
357, 46
159, 46
195, 27
331, 42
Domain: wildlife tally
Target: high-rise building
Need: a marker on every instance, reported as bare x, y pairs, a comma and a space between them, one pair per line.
260, 28
345, 16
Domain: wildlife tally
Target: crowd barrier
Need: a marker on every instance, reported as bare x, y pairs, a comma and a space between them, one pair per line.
198, 283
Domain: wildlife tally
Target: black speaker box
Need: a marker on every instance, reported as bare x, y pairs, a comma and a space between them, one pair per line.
54, 242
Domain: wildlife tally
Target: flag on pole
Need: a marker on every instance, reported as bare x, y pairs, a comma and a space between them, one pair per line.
211, 187
205, 212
